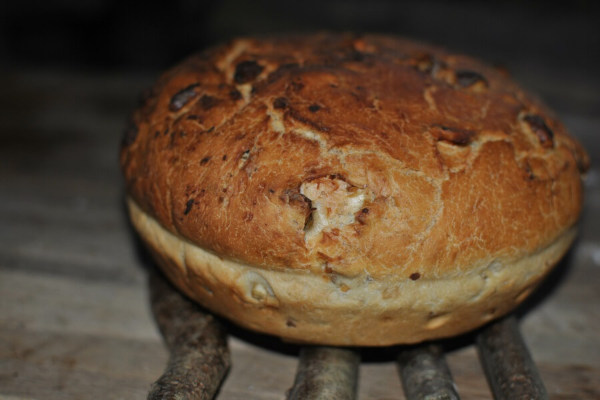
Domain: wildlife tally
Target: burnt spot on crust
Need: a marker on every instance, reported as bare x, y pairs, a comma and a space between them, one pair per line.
188, 206
207, 102
280, 72
182, 97
235, 95
414, 276
130, 134
314, 108
247, 71
280, 103
224, 158
294, 114
290, 323
205, 160
467, 78
456, 136
540, 129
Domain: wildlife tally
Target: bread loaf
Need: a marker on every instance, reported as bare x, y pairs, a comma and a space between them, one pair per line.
350, 190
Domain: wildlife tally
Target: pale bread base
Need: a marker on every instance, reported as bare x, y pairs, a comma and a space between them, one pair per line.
302, 306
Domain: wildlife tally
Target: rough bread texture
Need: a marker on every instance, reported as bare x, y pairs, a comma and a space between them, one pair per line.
364, 189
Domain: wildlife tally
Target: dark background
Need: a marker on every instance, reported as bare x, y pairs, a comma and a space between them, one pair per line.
154, 34
537, 40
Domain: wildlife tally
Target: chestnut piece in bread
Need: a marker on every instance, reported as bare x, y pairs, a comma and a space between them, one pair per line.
350, 190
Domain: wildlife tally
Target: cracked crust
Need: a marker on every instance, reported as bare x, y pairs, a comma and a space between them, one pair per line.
345, 158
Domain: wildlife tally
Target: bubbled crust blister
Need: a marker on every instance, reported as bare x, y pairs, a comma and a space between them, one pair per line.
453, 163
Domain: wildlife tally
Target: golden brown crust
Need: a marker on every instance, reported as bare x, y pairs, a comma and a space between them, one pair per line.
442, 160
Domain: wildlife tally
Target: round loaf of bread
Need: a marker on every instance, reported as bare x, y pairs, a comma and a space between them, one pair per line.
350, 190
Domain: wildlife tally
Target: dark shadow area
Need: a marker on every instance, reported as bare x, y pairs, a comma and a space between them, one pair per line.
152, 35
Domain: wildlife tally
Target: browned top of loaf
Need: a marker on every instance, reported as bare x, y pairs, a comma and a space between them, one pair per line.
457, 164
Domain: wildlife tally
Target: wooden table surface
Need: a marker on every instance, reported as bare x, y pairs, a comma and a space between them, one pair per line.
74, 316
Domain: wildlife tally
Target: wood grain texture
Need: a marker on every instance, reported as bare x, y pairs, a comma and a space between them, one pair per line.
75, 321
197, 342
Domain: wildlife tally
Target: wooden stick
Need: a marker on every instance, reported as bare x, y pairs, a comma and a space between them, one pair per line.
425, 374
198, 344
508, 366
326, 373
